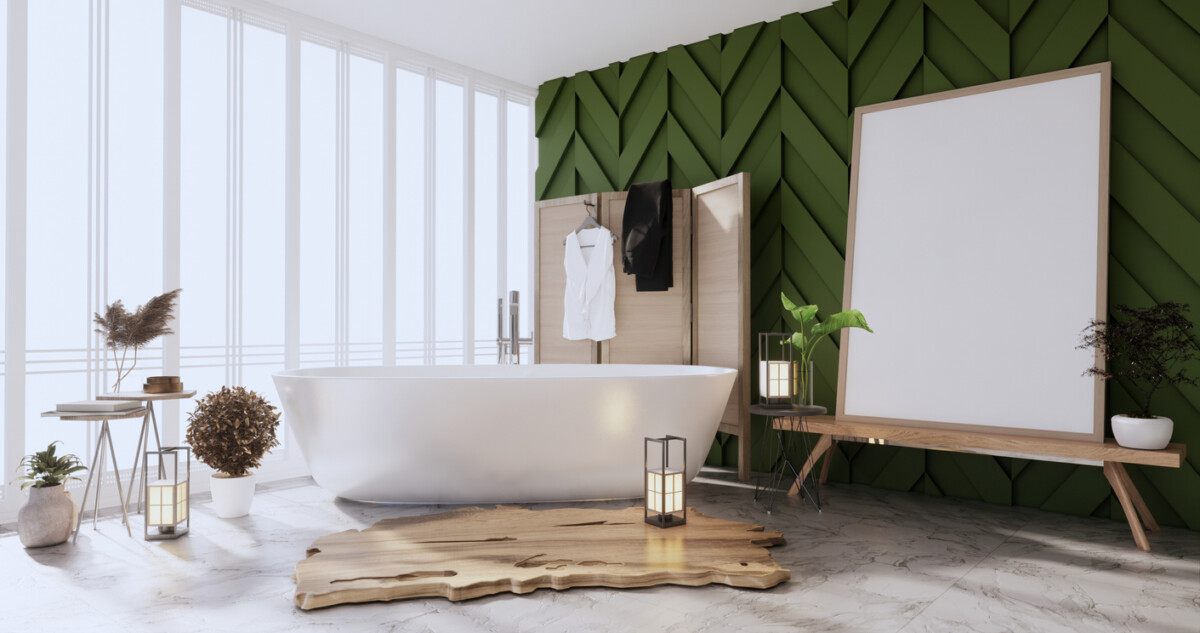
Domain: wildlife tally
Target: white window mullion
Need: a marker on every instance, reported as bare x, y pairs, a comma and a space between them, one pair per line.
389, 211
236, 175
530, 166
339, 140
14, 252
230, 101
468, 263
344, 133
502, 198
430, 215
291, 329
102, 155
172, 64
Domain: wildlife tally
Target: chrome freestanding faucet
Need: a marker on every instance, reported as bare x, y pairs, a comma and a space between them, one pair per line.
508, 349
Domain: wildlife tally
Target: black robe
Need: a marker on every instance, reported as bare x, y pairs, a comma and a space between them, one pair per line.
646, 231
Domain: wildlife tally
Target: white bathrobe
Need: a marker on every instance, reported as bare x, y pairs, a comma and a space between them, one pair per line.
591, 286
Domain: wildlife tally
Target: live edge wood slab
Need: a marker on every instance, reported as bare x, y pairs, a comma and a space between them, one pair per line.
475, 552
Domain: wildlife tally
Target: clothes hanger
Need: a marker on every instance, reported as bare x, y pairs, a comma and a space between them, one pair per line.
589, 222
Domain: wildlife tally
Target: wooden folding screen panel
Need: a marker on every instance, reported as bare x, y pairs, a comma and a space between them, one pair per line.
652, 327
722, 299
703, 320
553, 220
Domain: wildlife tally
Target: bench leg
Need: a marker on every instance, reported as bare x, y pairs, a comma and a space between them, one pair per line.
822, 446
825, 464
1131, 502
744, 454
1136, 497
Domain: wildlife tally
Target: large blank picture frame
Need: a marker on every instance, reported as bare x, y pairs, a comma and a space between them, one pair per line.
977, 249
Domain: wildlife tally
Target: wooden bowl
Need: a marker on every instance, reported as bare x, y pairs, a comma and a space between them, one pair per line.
166, 387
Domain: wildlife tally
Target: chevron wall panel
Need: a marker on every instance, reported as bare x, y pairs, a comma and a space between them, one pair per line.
777, 100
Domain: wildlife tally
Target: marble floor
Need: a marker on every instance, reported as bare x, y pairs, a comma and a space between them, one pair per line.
873, 560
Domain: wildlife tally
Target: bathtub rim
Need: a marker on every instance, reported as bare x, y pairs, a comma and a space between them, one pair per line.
492, 372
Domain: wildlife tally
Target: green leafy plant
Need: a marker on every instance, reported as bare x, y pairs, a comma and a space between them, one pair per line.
812, 332
1148, 347
123, 330
45, 469
231, 430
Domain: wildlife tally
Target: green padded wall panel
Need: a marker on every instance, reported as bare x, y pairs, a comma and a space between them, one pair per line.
777, 99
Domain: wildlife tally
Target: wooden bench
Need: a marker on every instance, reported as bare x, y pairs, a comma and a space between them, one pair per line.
1109, 455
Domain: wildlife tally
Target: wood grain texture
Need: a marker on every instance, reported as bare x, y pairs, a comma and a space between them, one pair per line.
969, 442
1126, 495
553, 220
721, 309
473, 552
652, 327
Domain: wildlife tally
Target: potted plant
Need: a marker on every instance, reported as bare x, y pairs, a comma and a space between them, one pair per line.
123, 330
49, 515
812, 332
230, 430
1147, 348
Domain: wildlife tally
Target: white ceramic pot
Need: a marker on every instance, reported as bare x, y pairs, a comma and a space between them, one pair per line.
1146, 433
231, 496
47, 518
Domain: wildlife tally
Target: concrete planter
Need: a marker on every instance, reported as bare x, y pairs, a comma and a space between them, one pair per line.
47, 518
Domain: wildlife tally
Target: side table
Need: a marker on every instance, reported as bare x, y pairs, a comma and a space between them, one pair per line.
797, 416
98, 461
149, 421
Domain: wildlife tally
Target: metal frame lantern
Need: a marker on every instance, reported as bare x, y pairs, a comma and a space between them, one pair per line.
776, 370
666, 492
167, 499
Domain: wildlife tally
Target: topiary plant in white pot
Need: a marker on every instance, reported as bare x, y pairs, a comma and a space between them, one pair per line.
49, 515
230, 430
1147, 348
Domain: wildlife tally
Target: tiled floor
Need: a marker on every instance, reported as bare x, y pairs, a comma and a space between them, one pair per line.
871, 561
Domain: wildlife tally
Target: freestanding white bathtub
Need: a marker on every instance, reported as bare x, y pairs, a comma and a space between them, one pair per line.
495, 434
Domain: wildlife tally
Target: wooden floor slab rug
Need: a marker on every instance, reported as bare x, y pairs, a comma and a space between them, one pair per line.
473, 552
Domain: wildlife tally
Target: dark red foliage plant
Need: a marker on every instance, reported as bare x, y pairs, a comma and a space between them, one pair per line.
1147, 347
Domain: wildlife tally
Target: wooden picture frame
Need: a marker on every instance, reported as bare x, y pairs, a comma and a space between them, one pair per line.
850, 337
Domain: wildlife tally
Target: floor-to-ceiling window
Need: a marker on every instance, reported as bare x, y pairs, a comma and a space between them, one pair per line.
258, 161
94, 199
232, 198
412, 137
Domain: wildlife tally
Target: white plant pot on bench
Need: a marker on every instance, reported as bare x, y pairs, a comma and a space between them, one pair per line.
1145, 433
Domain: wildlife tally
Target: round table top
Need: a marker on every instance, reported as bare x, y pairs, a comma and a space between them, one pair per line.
96, 416
797, 411
142, 396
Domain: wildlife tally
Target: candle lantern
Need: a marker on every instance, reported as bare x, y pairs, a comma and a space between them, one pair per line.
167, 509
776, 370
666, 492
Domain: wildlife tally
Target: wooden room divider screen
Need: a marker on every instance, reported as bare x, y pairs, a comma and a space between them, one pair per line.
704, 319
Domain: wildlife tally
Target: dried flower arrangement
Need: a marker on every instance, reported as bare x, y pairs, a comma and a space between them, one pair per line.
123, 330
231, 430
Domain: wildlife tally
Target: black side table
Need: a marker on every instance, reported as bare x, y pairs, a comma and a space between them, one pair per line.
796, 419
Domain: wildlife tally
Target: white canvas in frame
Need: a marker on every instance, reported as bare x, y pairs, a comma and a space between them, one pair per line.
977, 250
